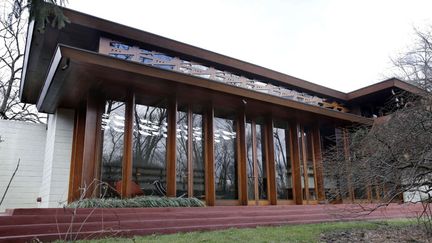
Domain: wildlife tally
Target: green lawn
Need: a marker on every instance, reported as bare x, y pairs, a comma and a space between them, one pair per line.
290, 233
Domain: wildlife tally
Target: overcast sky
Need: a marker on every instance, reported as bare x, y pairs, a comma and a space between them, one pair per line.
341, 44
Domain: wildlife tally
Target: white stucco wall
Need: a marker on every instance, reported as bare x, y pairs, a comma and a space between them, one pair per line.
45, 153
24, 141
56, 167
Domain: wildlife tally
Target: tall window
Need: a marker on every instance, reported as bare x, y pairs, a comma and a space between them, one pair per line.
182, 134
193, 186
112, 148
256, 164
149, 150
282, 161
307, 164
198, 156
225, 159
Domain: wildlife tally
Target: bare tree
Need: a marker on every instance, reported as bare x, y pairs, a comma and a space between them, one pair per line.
415, 65
12, 32
393, 158
13, 26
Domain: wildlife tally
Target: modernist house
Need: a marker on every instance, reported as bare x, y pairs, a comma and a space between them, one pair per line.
141, 114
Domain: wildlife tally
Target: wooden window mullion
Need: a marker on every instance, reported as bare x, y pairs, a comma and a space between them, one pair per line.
190, 151
128, 146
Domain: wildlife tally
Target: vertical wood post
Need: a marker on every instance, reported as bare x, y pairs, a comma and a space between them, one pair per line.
128, 148
171, 148
77, 154
295, 161
190, 152
241, 158
316, 138
209, 156
90, 147
270, 161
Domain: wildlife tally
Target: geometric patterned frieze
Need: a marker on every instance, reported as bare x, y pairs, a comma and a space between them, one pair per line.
161, 60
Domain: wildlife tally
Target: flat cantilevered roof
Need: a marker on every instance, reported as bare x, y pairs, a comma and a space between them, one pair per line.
43, 53
74, 72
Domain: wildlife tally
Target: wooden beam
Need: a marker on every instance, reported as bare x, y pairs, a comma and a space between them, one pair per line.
270, 161
90, 150
241, 158
210, 193
98, 147
319, 169
128, 147
190, 152
77, 154
295, 161
171, 152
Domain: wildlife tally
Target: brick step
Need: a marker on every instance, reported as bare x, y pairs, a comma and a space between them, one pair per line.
109, 215
163, 230
56, 211
6, 230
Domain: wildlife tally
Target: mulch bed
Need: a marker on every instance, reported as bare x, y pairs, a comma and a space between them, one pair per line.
382, 234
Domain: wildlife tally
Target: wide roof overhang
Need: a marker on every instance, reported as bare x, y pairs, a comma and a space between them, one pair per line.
85, 30
75, 73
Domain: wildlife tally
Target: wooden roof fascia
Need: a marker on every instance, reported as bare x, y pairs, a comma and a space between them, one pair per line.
29, 37
388, 83
53, 67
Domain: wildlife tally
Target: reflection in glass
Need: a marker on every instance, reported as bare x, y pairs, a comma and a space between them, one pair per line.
282, 162
250, 162
112, 148
256, 165
149, 150
310, 165
225, 159
182, 170
307, 167
182, 156
198, 156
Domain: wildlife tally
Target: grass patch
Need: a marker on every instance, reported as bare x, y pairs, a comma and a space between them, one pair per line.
137, 202
289, 233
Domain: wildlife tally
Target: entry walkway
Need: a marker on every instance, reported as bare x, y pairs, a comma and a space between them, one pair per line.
20, 225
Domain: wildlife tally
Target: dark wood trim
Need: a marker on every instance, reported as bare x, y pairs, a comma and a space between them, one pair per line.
316, 136
171, 152
190, 151
98, 146
270, 161
128, 145
210, 193
295, 161
77, 154
386, 84
89, 144
241, 158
